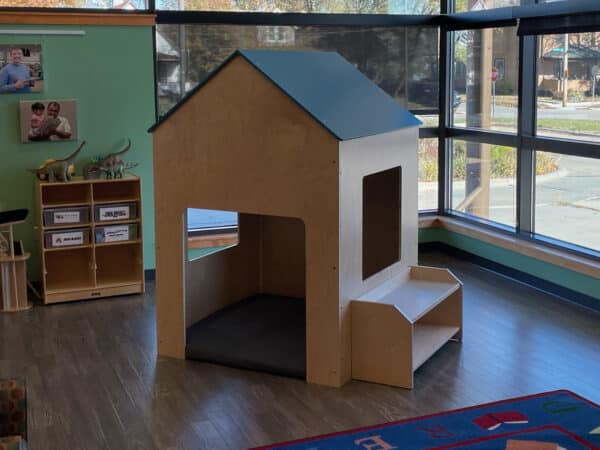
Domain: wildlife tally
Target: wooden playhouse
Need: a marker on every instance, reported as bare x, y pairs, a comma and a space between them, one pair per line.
321, 166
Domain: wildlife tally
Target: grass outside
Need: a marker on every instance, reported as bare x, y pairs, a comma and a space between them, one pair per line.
502, 161
501, 100
582, 126
574, 125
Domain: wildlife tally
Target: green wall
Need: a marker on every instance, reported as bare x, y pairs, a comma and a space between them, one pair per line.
563, 277
110, 73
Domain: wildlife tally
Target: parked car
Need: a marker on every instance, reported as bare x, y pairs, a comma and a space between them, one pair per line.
425, 94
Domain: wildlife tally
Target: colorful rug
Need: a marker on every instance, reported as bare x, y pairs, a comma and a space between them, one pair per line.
549, 421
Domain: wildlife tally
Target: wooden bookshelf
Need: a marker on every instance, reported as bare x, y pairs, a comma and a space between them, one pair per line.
90, 269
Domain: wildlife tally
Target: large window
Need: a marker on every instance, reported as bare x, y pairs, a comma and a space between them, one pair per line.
307, 6
402, 61
559, 191
485, 80
567, 201
484, 181
428, 174
491, 172
568, 101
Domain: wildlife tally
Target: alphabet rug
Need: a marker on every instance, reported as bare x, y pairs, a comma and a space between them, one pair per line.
558, 420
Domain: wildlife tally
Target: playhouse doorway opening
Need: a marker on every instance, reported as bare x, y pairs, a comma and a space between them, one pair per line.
250, 312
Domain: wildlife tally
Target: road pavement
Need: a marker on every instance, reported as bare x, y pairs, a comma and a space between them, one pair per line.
547, 109
567, 201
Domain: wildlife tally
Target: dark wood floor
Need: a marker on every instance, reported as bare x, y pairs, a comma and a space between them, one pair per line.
94, 381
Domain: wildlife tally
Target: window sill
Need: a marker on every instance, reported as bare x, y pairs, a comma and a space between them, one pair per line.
515, 244
212, 240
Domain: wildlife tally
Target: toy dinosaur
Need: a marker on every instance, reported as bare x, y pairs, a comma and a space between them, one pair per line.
118, 170
113, 165
57, 169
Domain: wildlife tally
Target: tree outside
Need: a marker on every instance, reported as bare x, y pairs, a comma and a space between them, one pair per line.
402, 61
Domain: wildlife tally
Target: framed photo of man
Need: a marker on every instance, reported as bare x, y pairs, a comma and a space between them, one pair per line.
21, 69
48, 120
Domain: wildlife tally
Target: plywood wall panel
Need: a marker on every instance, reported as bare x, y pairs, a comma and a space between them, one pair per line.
240, 144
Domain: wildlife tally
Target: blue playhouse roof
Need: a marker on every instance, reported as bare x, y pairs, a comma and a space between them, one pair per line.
329, 88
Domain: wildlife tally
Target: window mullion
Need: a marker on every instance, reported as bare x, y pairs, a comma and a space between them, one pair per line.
445, 100
526, 131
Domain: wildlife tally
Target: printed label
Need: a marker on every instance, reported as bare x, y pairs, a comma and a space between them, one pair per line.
67, 217
115, 234
114, 213
64, 239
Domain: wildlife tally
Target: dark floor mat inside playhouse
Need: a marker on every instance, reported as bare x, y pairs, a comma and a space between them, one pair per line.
262, 332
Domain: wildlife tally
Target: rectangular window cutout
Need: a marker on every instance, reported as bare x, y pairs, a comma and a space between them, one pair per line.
210, 230
381, 220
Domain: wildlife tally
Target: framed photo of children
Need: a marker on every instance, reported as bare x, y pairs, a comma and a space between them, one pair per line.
21, 68
48, 120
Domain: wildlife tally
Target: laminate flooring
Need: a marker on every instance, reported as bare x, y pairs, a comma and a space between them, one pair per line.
94, 380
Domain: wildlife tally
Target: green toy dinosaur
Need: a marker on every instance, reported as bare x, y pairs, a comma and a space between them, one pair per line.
113, 165
57, 169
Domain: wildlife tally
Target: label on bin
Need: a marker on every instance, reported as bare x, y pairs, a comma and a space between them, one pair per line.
67, 217
114, 213
64, 239
115, 234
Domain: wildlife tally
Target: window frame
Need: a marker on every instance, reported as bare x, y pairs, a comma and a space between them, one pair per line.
525, 140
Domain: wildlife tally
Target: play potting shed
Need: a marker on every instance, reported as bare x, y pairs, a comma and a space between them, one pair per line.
321, 166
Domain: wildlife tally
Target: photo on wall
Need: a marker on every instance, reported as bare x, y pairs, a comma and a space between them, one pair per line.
21, 68
48, 120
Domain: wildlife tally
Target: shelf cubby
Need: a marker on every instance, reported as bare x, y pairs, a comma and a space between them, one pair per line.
116, 191
65, 194
118, 264
69, 269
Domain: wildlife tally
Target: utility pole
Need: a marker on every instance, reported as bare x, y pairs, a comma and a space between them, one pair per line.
478, 107
565, 71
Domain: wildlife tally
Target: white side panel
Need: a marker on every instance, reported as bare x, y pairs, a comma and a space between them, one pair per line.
365, 156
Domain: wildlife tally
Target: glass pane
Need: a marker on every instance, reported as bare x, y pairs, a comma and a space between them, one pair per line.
402, 61
429, 120
484, 181
99, 4
486, 79
200, 219
568, 102
303, 6
478, 5
567, 198
428, 174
